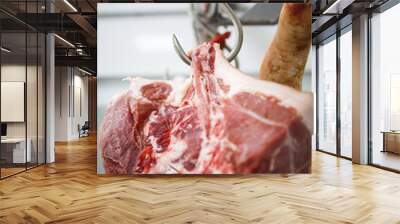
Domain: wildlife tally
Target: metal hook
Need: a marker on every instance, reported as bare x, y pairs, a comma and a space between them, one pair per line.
238, 31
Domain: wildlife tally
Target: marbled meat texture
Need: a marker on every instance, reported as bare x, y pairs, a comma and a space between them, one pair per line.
220, 121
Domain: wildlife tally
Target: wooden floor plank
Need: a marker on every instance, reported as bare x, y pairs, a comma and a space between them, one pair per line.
70, 191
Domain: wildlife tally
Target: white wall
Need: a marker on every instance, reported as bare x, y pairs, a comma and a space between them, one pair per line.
67, 116
80, 83
15, 72
12, 73
33, 126
62, 82
137, 41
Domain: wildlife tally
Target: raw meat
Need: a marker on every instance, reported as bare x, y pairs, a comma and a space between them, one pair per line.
220, 122
121, 136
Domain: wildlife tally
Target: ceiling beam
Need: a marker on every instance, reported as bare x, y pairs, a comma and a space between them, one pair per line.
49, 22
81, 61
84, 24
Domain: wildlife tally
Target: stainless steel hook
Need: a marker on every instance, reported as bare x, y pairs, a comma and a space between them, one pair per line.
238, 31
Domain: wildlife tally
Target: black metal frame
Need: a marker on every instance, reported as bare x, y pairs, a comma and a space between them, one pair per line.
316, 96
369, 90
0, 88
26, 91
337, 35
44, 78
338, 98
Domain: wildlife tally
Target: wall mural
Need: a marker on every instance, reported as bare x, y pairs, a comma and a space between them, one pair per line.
232, 104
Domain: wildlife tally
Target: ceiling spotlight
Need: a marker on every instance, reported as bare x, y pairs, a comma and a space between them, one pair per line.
5, 50
70, 5
65, 41
337, 7
79, 51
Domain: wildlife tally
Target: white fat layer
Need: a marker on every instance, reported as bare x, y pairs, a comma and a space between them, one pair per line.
239, 82
153, 141
137, 83
260, 118
174, 152
215, 117
205, 155
179, 88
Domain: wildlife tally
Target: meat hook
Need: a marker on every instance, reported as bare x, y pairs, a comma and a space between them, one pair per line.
238, 31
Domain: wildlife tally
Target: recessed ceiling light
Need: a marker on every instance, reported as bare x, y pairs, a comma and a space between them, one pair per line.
70, 5
84, 71
64, 40
337, 7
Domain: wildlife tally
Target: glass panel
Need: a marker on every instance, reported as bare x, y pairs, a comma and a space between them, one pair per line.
31, 100
327, 97
346, 94
41, 99
385, 84
13, 87
32, 89
23, 90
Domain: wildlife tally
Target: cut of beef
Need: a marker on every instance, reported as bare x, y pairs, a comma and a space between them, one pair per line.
121, 136
220, 122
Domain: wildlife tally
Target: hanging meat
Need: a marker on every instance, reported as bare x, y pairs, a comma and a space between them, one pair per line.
221, 122
287, 55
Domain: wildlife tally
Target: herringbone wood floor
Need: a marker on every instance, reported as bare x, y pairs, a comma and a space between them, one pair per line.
70, 191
